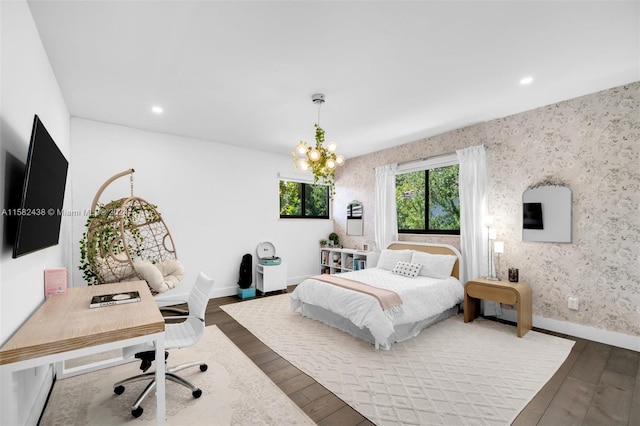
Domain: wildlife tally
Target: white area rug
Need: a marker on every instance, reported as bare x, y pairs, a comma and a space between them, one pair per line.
452, 373
234, 392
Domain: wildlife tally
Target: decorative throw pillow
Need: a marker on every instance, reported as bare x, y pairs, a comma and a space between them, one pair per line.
389, 258
434, 265
161, 276
407, 269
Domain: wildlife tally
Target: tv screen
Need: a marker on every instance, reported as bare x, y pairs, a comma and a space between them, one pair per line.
532, 216
45, 177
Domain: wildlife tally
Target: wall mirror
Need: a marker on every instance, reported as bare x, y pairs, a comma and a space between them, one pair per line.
546, 214
354, 218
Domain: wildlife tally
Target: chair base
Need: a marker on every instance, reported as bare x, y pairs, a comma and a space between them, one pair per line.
136, 410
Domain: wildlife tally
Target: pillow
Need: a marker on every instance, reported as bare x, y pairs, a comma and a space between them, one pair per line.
161, 276
389, 258
434, 265
407, 269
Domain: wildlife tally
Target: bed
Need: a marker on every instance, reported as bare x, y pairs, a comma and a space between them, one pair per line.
428, 295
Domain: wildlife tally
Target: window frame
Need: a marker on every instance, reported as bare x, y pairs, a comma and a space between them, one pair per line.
425, 165
303, 191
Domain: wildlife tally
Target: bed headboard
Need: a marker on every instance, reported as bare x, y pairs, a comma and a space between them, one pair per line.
433, 249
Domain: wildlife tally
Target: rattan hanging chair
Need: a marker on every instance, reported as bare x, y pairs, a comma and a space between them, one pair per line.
126, 240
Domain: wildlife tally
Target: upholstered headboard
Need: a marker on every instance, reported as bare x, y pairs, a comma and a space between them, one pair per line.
433, 249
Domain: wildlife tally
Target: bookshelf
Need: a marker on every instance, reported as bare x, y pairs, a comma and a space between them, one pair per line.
335, 260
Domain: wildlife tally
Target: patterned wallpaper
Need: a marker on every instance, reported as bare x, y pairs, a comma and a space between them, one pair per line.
591, 143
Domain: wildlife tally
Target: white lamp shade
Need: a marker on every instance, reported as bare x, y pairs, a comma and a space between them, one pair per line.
492, 234
498, 247
332, 146
314, 155
303, 164
488, 221
340, 160
331, 164
301, 148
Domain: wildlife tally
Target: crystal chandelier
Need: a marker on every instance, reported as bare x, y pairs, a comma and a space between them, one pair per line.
321, 160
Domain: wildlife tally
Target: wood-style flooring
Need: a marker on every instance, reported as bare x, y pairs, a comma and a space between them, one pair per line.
598, 384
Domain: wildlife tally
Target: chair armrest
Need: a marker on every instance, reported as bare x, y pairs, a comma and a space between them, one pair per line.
183, 317
174, 310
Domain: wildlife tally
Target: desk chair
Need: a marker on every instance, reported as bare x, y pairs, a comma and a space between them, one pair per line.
177, 335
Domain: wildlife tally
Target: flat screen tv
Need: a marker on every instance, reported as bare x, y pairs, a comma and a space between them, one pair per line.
45, 178
532, 216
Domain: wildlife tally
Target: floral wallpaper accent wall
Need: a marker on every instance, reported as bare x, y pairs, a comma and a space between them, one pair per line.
591, 143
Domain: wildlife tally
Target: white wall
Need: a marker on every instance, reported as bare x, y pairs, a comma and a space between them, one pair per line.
218, 201
27, 87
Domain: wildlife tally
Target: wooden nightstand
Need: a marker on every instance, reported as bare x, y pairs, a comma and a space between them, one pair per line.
499, 291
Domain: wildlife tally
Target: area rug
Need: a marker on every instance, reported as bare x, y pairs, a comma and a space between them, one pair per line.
234, 392
452, 373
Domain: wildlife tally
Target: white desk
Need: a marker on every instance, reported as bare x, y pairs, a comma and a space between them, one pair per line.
64, 327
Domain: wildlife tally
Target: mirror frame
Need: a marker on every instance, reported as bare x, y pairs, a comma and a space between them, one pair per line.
354, 218
556, 213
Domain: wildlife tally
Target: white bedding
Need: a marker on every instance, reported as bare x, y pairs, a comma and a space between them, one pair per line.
422, 297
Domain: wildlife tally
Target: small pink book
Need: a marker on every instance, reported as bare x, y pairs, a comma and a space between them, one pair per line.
55, 281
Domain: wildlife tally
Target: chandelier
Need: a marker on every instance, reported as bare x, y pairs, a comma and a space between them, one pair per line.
320, 159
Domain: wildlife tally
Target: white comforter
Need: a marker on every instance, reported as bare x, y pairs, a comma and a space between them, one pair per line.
422, 298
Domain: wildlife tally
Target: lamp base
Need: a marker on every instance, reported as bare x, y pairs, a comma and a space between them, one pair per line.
492, 278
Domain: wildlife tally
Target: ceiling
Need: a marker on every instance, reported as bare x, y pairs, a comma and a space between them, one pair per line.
242, 73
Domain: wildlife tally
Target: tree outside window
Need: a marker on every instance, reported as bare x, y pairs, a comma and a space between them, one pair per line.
428, 202
303, 200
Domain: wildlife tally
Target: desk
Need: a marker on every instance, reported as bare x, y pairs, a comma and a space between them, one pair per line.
64, 327
503, 292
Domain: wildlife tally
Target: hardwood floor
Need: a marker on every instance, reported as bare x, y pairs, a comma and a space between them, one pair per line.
598, 384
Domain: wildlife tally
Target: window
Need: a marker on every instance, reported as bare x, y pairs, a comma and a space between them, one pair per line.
303, 200
427, 200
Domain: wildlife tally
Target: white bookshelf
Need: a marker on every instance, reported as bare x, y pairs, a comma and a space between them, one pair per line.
335, 260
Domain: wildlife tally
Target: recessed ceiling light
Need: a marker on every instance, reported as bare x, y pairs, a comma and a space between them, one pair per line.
157, 109
526, 80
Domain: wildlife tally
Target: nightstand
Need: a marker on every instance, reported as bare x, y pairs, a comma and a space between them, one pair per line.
502, 292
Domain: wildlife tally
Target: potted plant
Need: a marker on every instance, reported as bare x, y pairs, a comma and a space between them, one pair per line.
323, 243
333, 237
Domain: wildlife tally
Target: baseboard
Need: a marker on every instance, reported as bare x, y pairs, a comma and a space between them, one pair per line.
612, 338
233, 290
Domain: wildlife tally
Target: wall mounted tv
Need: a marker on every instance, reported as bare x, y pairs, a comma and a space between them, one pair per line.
532, 216
45, 178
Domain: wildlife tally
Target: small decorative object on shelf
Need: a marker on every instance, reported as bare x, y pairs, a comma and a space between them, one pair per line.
513, 275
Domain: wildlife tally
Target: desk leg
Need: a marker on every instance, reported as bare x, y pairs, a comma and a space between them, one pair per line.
8, 399
160, 382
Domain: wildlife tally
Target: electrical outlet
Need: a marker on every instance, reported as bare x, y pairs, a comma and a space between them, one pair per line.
574, 303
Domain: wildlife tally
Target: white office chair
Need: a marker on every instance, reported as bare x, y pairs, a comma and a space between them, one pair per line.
177, 335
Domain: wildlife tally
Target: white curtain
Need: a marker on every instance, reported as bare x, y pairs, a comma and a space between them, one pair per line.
473, 211
385, 215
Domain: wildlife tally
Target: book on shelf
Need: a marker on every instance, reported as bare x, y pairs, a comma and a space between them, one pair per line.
325, 257
114, 299
359, 264
55, 281
349, 262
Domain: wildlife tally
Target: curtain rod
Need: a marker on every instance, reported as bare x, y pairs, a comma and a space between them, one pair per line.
425, 159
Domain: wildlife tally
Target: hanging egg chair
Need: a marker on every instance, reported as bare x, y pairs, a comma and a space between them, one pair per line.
128, 240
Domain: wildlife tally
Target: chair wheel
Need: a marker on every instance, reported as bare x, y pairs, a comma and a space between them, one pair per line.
118, 390
203, 367
197, 393
137, 412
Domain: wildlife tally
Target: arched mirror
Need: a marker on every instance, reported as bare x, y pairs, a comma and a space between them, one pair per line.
546, 214
354, 218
